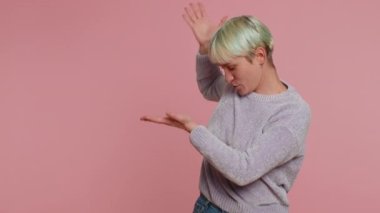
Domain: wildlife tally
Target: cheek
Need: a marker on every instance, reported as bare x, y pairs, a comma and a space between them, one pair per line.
250, 79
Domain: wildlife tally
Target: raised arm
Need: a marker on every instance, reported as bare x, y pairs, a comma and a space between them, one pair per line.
210, 80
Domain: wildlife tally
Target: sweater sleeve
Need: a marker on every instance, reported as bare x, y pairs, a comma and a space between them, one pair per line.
276, 146
210, 80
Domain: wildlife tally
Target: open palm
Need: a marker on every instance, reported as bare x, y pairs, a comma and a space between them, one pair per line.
203, 29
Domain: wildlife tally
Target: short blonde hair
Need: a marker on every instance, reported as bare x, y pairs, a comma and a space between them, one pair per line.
240, 36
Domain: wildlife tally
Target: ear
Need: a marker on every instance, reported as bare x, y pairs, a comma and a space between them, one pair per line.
261, 55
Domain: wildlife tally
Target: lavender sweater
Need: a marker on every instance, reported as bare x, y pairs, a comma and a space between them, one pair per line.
252, 147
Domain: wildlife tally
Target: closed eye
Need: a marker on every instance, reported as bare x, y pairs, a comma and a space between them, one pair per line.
228, 67
231, 68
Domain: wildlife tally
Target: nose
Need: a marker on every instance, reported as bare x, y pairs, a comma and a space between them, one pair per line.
228, 76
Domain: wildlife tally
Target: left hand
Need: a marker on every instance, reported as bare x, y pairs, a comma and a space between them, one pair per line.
176, 120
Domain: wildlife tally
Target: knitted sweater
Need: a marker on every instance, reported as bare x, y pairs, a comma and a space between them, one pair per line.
252, 147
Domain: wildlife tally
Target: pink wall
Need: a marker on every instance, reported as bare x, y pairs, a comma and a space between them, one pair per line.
76, 75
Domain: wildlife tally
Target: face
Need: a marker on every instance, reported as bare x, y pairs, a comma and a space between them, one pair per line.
243, 75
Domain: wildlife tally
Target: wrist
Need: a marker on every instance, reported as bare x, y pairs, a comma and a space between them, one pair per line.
191, 127
203, 49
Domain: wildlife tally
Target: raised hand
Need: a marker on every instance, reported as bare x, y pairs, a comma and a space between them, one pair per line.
180, 121
203, 29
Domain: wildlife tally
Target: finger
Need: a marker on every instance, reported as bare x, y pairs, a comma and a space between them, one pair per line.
166, 121
175, 124
187, 19
202, 9
196, 11
190, 14
224, 19
180, 118
154, 119
173, 117
171, 122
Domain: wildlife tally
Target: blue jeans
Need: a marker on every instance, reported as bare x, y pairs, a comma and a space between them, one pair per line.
202, 205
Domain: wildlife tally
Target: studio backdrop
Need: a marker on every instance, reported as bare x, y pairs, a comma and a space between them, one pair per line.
76, 75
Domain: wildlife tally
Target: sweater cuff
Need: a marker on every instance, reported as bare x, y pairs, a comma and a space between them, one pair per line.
199, 138
202, 58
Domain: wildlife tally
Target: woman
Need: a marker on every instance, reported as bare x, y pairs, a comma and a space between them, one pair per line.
253, 145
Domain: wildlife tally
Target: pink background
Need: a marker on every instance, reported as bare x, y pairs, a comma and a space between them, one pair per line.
76, 75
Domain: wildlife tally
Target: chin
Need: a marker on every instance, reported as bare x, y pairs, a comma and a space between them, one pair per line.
242, 93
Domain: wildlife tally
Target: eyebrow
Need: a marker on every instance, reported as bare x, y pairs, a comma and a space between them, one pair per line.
227, 64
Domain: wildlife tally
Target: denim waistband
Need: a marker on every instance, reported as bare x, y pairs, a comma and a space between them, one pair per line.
205, 202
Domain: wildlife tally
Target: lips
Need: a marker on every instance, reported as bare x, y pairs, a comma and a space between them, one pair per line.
236, 88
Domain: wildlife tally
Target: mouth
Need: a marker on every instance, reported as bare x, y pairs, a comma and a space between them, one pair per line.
236, 87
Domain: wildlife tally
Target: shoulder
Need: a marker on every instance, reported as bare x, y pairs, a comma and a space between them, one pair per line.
294, 113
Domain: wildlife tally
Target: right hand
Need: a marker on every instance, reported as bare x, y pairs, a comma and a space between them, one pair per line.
202, 27
176, 120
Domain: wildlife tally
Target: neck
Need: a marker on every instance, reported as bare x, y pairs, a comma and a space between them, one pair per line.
270, 82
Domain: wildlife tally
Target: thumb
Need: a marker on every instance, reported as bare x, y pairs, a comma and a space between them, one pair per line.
224, 19
172, 116
178, 117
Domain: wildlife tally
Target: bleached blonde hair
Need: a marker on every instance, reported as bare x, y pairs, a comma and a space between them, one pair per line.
240, 36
